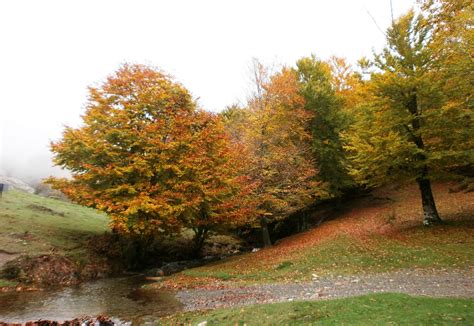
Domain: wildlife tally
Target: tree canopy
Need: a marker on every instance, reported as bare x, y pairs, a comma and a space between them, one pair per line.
278, 145
318, 86
409, 126
156, 164
151, 160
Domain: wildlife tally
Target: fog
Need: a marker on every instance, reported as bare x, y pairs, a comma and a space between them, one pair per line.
53, 50
25, 152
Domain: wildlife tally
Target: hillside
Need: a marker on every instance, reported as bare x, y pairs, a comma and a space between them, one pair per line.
34, 226
379, 233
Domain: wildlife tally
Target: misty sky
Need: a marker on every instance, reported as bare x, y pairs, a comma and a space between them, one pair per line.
52, 50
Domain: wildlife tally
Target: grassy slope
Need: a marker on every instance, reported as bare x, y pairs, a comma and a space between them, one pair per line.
372, 235
34, 225
378, 309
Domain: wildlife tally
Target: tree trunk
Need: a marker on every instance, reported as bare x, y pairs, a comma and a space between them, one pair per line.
430, 213
265, 234
302, 222
199, 238
135, 250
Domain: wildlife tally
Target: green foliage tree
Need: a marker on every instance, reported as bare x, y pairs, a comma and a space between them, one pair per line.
319, 90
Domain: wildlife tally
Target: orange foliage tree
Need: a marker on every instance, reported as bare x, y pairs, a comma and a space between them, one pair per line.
277, 144
147, 157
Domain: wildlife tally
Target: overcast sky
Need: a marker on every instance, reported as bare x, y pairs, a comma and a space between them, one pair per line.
50, 51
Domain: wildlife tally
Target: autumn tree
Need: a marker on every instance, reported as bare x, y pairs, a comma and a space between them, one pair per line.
452, 48
147, 157
278, 146
319, 87
347, 84
217, 181
235, 119
405, 130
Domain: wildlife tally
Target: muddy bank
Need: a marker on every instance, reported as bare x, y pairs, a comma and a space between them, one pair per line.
83, 321
110, 255
52, 270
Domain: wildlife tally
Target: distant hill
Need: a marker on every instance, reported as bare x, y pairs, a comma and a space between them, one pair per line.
16, 183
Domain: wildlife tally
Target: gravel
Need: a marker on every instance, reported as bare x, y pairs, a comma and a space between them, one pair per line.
435, 283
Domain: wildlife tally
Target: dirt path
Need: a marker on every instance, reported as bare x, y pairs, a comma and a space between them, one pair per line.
436, 284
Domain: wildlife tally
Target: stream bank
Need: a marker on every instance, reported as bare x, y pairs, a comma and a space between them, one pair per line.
124, 299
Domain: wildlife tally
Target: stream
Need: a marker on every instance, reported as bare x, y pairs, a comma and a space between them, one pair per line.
120, 298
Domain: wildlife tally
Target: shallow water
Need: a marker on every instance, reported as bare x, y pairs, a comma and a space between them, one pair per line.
120, 298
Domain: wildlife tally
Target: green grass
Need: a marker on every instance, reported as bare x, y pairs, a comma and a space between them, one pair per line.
217, 274
349, 255
375, 309
34, 225
7, 283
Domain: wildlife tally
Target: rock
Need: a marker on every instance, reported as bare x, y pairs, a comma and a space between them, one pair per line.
178, 266
46, 190
154, 278
203, 323
255, 249
155, 272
